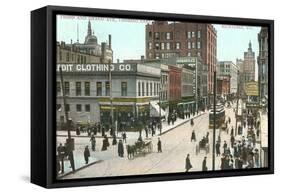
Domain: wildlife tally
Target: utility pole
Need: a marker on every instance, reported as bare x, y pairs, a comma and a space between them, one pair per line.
110, 91
214, 118
237, 103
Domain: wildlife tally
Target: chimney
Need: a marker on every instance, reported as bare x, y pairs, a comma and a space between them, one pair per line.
118, 61
142, 57
109, 41
103, 51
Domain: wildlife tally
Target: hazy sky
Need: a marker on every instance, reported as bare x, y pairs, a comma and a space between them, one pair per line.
128, 36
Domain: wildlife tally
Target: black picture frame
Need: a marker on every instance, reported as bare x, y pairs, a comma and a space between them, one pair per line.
43, 95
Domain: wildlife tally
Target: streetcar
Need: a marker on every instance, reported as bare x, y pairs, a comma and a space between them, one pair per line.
220, 116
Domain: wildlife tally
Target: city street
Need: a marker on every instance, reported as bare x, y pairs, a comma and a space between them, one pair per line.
176, 144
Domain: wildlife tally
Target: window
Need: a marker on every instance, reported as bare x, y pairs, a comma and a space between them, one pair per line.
87, 88
189, 54
72, 57
149, 55
157, 56
67, 56
199, 34
66, 88
156, 35
189, 45
67, 107
58, 88
199, 54
177, 45
142, 88
150, 34
162, 45
99, 89
154, 89
78, 59
87, 108
168, 46
168, 35
78, 88
193, 34
124, 89
199, 45
60, 55
139, 89
107, 88
193, 45
149, 45
188, 35
157, 46
147, 89
150, 89
78, 107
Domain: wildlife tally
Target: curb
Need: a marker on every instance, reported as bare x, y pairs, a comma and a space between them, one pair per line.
180, 124
78, 169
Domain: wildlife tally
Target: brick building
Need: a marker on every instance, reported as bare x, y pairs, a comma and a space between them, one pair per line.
180, 39
174, 83
223, 85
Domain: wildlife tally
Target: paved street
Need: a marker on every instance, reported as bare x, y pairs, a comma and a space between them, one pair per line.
175, 145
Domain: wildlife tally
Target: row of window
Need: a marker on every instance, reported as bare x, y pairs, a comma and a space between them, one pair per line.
168, 55
177, 45
78, 107
151, 89
87, 87
169, 35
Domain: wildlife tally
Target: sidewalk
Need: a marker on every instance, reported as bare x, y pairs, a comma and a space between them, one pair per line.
134, 135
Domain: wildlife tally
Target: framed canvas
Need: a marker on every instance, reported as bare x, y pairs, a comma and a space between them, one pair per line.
128, 96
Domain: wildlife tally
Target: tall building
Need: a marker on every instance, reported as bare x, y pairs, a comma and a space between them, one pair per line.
88, 52
180, 39
249, 64
247, 69
263, 63
228, 68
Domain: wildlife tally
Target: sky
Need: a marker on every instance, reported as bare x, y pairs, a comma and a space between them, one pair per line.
128, 36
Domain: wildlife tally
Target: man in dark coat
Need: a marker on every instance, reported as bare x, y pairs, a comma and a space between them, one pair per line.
218, 147
224, 147
105, 143
204, 164
114, 140
232, 140
193, 136
120, 148
188, 165
159, 145
124, 136
93, 142
86, 154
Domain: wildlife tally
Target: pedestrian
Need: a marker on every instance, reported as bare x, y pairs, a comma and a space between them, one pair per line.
124, 136
78, 130
188, 165
120, 148
159, 145
232, 140
224, 147
105, 143
193, 136
61, 154
103, 131
146, 131
86, 154
218, 151
232, 131
204, 164
93, 142
114, 140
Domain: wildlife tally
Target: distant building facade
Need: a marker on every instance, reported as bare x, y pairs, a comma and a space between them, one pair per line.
88, 52
180, 39
228, 68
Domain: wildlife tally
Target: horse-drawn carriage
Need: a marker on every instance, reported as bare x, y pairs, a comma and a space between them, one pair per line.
203, 145
139, 148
